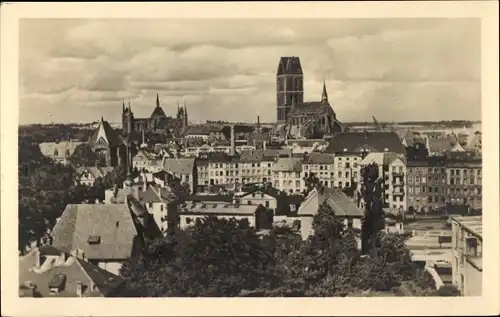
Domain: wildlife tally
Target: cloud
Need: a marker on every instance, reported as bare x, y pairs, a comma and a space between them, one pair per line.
396, 69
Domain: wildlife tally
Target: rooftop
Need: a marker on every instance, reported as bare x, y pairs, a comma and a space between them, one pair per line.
218, 209
358, 141
341, 204
472, 224
113, 223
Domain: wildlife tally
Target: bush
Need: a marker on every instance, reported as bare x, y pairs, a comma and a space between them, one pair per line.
448, 290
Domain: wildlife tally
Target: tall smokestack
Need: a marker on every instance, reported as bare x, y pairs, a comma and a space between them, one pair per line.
233, 143
258, 123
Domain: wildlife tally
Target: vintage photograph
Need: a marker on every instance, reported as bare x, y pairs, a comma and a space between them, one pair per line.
327, 157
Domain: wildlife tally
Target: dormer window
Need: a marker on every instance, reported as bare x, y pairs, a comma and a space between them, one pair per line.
57, 283
94, 239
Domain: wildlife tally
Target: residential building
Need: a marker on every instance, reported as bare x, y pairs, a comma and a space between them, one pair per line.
59, 152
50, 272
288, 175
345, 169
392, 174
321, 165
464, 180
265, 197
184, 169
306, 145
88, 175
105, 235
342, 206
222, 169
148, 161
426, 182
190, 212
467, 254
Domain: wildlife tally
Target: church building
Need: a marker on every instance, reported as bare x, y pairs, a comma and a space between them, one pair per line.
296, 118
158, 122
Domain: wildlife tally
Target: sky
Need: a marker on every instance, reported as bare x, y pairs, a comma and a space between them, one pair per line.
77, 70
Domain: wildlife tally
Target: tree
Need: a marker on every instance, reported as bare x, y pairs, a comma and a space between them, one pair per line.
311, 181
84, 156
217, 257
371, 194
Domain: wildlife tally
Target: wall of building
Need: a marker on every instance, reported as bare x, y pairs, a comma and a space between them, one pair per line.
189, 220
473, 280
111, 266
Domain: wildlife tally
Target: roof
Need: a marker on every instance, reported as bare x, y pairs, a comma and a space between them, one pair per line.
310, 107
318, 158
210, 198
440, 145
289, 65
384, 158
112, 222
105, 131
270, 191
341, 205
149, 196
74, 269
288, 164
96, 172
358, 141
410, 138
251, 156
218, 209
184, 166
158, 112
58, 149
307, 142
472, 224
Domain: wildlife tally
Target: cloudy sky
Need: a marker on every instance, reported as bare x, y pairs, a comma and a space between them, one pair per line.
74, 70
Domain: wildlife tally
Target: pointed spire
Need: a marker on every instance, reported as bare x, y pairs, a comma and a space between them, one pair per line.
324, 95
129, 107
157, 100
123, 106
185, 107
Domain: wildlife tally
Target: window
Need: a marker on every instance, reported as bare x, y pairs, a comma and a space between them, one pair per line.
349, 223
188, 220
267, 203
94, 239
249, 202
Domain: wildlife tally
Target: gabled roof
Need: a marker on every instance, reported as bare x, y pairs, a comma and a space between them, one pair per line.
105, 131
356, 141
149, 196
251, 156
112, 222
210, 198
74, 269
289, 65
158, 112
341, 205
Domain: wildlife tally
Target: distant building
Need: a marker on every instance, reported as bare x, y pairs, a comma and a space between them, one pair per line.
321, 165
362, 143
467, 254
464, 180
59, 152
88, 175
288, 175
301, 119
184, 169
426, 181
158, 122
50, 272
106, 142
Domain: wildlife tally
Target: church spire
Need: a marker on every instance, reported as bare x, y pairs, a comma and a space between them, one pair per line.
324, 95
123, 106
157, 100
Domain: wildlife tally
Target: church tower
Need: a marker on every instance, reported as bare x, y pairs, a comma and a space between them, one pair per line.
289, 86
127, 119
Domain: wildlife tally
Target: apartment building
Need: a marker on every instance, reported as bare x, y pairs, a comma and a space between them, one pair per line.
345, 169
426, 184
392, 173
464, 180
184, 169
321, 165
288, 175
467, 268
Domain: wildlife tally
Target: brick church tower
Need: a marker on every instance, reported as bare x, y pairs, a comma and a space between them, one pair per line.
289, 86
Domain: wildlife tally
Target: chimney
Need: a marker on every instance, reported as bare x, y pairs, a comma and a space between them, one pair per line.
233, 143
79, 290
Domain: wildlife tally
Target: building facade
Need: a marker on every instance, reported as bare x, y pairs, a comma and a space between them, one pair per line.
467, 268
464, 181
